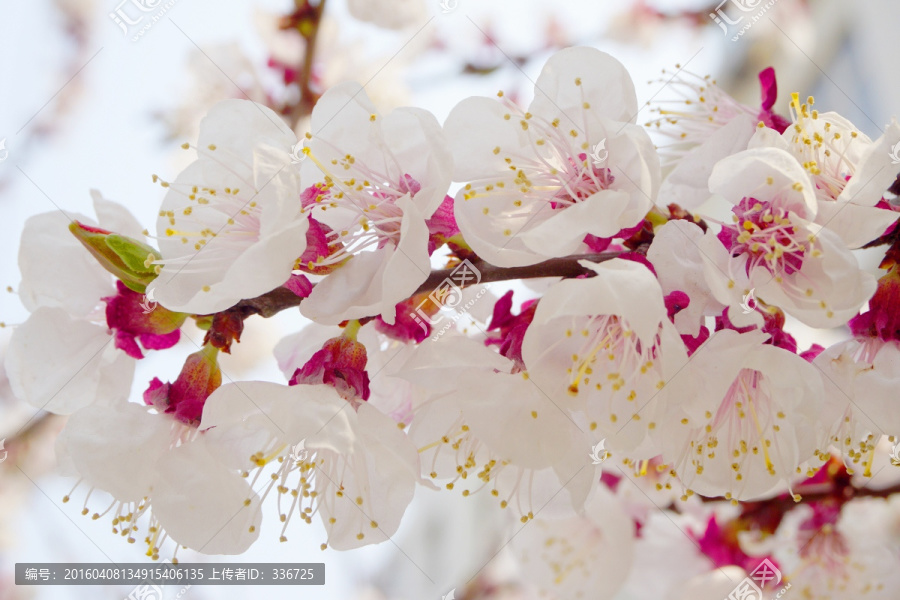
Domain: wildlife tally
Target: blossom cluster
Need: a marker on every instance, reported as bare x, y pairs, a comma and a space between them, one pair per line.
665, 264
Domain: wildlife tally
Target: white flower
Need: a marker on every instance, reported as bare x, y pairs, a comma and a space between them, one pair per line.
861, 376
833, 553
667, 549
534, 191
850, 172
704, 125
156, 467
455, 427
746, 417
773, 247
383, 176
588, 556
605, 346
360, 471
61, 358
231, 225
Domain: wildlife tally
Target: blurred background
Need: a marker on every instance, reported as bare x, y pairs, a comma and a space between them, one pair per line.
89, 101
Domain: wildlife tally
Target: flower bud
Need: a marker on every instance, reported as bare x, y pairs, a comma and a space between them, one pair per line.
128, 259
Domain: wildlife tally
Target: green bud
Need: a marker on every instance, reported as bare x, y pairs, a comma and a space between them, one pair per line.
126, 258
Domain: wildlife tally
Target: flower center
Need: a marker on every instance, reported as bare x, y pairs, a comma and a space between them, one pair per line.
555, 165
361, 206
768, 235
612, 363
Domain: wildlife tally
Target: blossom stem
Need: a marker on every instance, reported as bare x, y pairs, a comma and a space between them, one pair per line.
566, 267
279, 299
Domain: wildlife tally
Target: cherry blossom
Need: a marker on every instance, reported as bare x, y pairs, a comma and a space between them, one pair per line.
849, 171
524, 465
746, 417
231, 225
163, 479
573, 164
773, 247
383, 177
357, 472
585, 556
605, 346
60, 359
706, 125
645, 388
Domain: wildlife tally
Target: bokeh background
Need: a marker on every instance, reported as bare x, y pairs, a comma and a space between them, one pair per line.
83, 107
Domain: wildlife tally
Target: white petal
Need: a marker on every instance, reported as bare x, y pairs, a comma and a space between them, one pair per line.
586, 557
747, 174
856, 225
376, 481
241, 418
474, 128
115, 448
391, 14
116, 218
238, 126
535, 433
603, 214
201, 504
677, 258
876, 171
418, 145
57, 271
622, 287
604, 83
372, 283
60, 364
687, 184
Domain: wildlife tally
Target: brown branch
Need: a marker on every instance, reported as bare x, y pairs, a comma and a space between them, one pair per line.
555, 267
279, 299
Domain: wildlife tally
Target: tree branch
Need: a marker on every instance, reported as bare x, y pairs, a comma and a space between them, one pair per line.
279, 299
556, 267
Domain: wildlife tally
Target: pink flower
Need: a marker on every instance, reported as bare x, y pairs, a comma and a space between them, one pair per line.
511, 328
341, 363
127, 315
199, 378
